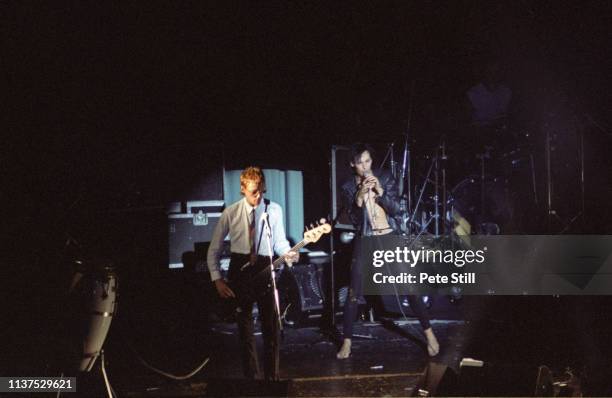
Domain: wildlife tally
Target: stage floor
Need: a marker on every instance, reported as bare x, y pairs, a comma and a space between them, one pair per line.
388, 357
170, 330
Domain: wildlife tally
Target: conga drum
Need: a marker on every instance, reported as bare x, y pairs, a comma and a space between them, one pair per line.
102, 285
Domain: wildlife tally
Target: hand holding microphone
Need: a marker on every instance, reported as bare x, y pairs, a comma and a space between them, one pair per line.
370, 183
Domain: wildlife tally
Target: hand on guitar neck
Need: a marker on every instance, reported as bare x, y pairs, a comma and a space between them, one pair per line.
310, 236
291, 257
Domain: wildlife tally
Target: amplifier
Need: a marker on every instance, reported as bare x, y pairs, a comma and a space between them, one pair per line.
308, 280
302, 291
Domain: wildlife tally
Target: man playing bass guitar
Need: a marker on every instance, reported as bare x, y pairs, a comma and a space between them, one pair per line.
245, 222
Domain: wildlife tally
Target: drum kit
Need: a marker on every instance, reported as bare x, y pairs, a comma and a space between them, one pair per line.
465, 187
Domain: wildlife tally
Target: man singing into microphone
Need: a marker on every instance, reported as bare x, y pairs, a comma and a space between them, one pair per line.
372, 201
245, 222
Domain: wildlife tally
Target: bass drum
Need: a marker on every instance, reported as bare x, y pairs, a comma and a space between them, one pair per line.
487, 214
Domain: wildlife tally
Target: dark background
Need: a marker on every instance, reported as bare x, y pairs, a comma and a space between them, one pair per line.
110, 111
103, 99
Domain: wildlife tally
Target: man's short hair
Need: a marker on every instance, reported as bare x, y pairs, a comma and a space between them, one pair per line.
253, 174
357, 149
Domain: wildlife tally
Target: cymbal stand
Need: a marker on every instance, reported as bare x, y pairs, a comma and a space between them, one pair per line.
436, 197
440, 164
551, 212
434, 161
444, 200
581, 213
582, 178
534, 188
440, 169
483, 156
392, 162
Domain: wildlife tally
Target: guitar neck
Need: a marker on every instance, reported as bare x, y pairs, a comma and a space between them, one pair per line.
297, 247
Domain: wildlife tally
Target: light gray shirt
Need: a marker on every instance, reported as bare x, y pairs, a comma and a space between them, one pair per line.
235, 222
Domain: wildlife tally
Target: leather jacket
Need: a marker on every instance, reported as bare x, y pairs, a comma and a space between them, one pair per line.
389, 201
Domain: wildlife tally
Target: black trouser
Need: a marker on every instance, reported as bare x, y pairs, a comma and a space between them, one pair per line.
258, 282
355, 291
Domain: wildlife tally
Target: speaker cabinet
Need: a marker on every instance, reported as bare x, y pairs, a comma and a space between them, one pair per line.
302, 292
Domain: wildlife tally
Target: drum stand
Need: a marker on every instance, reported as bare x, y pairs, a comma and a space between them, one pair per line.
441, 169
425, 224
405, 193
438, 165
482, 157
492, 226
392, 162
444, 200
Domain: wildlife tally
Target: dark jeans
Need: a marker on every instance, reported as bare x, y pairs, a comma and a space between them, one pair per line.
356, 289
246, 326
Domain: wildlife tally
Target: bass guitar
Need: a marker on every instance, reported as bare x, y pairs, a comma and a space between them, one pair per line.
252, 281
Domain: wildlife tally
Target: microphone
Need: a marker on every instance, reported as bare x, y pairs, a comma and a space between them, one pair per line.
367, 174
264, 218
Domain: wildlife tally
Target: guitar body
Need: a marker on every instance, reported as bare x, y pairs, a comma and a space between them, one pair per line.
249, 281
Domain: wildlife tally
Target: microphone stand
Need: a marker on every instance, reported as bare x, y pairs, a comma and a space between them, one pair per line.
332, 282
268, 233
364, 208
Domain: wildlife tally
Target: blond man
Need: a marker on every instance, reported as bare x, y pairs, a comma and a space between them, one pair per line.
246, 225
